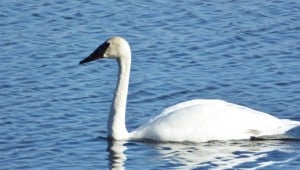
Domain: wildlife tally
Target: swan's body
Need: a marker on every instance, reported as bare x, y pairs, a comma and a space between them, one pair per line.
196, 120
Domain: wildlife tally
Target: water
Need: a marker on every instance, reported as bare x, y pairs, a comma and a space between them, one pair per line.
54, 112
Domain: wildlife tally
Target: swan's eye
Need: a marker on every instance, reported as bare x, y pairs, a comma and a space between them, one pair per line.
97, 54
102, 48
107, 44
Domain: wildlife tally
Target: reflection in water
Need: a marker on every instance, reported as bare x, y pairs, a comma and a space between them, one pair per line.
220, 155
217, 155
117, 156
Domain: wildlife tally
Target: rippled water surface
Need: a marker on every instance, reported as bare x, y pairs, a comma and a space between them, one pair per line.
53, 112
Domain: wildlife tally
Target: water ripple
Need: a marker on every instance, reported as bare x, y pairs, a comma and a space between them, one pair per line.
54, 112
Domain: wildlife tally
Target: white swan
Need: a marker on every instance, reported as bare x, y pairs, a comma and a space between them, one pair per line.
196, 120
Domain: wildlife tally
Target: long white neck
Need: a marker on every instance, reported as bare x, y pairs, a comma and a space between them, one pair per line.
116, 126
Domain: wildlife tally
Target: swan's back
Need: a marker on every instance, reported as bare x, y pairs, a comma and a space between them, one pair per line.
206, 120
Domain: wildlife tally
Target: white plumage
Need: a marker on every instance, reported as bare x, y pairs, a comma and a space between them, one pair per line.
196, 120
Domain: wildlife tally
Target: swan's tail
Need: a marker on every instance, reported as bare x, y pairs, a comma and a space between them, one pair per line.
290, 124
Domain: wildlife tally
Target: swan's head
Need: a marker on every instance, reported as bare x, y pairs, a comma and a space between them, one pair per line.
115, 47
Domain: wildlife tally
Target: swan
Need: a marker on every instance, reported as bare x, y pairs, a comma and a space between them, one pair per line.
199, 120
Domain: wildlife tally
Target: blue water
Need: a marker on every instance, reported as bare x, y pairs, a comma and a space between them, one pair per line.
53, 112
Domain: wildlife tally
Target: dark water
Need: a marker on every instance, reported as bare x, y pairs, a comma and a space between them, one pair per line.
53, 112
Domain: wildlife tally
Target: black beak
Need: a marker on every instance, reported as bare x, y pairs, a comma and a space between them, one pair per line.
97, 54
